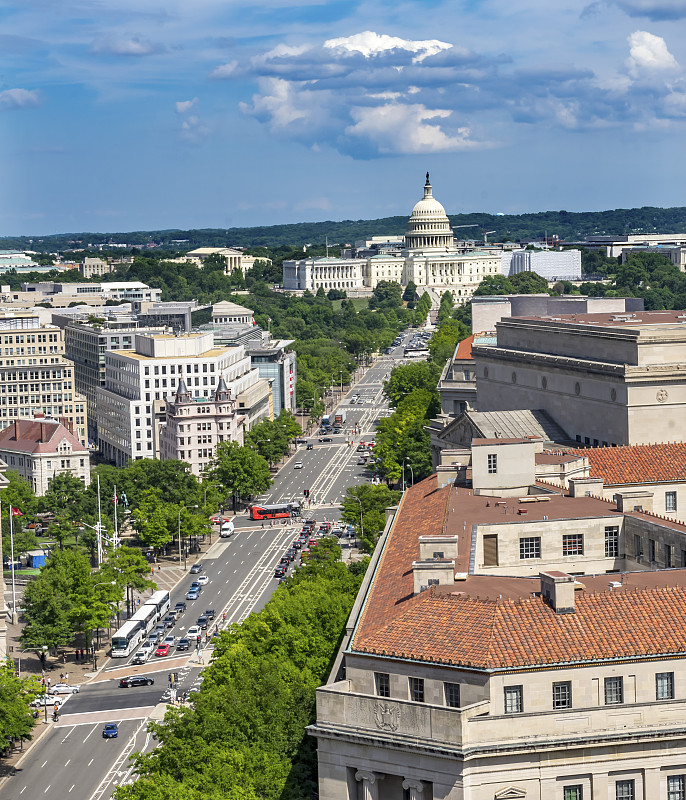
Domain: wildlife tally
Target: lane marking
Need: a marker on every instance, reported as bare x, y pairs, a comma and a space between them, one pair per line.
92, 729
43, 764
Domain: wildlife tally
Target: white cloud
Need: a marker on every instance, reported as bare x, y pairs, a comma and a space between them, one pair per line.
126, 46
398, 128
649, 53
283, 103
371, 44
184, 106
193, 130
19, 98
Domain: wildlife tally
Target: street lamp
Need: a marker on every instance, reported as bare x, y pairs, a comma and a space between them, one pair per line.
184, 552
407, 460
361, 523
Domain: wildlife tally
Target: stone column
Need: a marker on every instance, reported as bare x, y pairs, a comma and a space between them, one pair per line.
600, 786
414, 788
370, 783
651, 783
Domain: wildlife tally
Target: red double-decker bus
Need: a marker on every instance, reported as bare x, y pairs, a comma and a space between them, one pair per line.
282, 510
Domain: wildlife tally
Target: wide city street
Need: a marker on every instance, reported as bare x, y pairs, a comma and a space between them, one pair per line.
72, 758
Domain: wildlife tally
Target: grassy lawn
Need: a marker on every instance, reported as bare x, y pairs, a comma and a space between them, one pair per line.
358, 302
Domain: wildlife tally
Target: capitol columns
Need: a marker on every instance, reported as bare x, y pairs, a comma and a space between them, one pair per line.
414, 788
370, 783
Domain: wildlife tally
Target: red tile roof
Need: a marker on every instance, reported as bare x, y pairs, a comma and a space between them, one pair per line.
37, 436
464, 348
499, 634
642, 463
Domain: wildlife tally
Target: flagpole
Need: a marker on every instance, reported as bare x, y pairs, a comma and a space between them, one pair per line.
14, 591
99, 531
116, 531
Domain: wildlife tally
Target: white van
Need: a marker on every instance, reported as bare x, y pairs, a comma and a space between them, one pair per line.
226, 529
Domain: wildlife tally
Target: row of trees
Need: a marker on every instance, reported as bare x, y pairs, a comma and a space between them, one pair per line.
243, 737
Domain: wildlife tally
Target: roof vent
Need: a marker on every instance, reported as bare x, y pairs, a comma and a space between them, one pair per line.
557, 589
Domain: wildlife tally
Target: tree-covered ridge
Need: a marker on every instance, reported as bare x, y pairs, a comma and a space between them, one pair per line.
570, 225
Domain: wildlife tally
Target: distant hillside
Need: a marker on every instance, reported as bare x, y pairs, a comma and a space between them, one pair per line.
564, 224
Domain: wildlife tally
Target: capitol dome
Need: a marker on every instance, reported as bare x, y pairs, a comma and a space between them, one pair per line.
429, 226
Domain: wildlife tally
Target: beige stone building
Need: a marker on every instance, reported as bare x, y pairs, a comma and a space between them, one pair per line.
606, 379
511, 640
194, 426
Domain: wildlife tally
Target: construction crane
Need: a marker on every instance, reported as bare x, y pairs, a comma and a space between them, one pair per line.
486, 233
475, 225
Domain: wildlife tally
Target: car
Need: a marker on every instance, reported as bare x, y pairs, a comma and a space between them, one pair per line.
301, 441
111, 730
162, 650
170, 621
136, 680
180, 607
193, 594
389, 350
46, 700
155, 636
64, 688
196, 569
291, 553
297, 544
284, 561
170, 641
196, 585
160, 629
312, 543
201, 622
280, 572
203, 580
310, 446
142, 656
194, 632
298, 465
336, 430
361, 461
184, 643
209, 613
325, 439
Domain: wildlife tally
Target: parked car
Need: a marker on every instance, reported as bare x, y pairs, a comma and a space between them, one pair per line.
196, 569
136, 680
64, 688
162, 650
184, 643
111, 730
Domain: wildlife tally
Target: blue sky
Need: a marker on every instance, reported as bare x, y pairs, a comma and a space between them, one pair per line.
123, 115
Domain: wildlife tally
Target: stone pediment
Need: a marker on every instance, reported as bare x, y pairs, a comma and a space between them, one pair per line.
511, 793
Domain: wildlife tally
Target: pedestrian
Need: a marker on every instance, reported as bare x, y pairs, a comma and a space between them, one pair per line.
64, 658
48, 681
61, 677
66, 677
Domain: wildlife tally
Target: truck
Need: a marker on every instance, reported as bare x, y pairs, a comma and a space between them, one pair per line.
325, 420
339, 417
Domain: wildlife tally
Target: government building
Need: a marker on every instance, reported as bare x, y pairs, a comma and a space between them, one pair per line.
429, 257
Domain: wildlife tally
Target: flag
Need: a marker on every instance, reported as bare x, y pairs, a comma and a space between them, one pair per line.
115, 499
16, 512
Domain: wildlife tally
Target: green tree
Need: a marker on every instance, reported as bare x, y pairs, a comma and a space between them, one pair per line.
16, 719
529, 283
215, 262
386, 293
371, 501
410, 293
405, 379
152, 520
128, 568
65, 496
494, 284
60, 530
445, 340
242, 472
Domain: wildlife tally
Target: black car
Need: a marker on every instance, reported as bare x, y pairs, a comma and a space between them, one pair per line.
136, 680
179, 607
279, 572
183, 644
297, 544
325, 439
285, 561
301, 441
201, 622
170, 620
290, 553
209, 613
310, 446
196, 569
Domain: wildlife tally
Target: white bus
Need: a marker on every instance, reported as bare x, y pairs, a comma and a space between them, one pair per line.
147, 617
160, 601
127, 638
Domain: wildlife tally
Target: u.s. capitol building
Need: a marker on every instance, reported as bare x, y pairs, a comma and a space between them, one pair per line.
429, 258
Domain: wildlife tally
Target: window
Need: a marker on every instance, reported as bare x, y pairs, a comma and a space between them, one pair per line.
624, 790
614, 691
530, 547
638, 546
676, 787
514, 699
612, 542
573, 544
664, 686
452, 694
574, 792
417, 690
670, 501
651, 550
669, 555
562, 694
382, 681
492, 463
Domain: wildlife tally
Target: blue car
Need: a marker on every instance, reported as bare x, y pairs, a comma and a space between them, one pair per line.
193, 594
110, 731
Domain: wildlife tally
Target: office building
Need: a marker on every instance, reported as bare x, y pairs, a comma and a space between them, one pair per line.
138, 382
40, 448
95, 266
194, 426
276, 362
553, 265
510, 641
228, 313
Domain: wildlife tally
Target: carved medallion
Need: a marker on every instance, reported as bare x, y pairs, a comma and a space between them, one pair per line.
544, 382
613, 395
577, 388
386, 716
514, 377
662, 395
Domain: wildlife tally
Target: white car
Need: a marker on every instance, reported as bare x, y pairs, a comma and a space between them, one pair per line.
46, 700
64, 688
298, 465
194, 633
203, 580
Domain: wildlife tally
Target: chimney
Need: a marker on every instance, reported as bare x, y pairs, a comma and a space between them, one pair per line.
437, 547
432, 572
583, 487
42, 432
557, 589
16, 429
